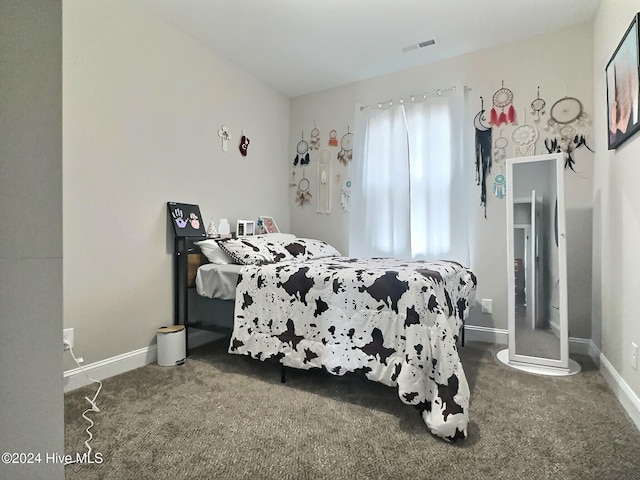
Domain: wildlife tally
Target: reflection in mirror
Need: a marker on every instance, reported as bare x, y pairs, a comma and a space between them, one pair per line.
538, 328
537, 331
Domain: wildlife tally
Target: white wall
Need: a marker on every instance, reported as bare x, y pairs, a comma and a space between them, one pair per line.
616, 198
561, 64
143, 103
32, 416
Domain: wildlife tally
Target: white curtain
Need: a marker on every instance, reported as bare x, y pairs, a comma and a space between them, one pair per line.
408, 197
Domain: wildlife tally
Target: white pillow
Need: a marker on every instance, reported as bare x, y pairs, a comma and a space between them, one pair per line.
213, 252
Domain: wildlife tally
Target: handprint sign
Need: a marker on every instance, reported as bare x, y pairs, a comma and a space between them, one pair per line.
186, 220
177, 217
195, 221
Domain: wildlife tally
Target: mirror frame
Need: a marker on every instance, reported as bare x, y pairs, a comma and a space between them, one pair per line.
561, 364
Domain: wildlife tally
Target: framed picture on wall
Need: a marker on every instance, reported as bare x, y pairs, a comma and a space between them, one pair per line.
623, 88
269, 224
186, 220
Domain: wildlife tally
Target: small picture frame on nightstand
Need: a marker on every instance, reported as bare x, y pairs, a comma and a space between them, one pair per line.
245, 228
269, 224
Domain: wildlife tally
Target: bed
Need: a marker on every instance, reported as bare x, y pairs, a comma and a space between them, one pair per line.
300, 303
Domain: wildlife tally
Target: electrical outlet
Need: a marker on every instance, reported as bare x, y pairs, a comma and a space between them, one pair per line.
67, 337
487, 305
634, 355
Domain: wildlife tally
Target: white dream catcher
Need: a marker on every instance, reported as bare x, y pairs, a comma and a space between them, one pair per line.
314, 143
524, 139
346, 148
324, 181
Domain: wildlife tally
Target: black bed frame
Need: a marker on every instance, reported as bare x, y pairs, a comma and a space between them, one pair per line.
187, 299
190, 308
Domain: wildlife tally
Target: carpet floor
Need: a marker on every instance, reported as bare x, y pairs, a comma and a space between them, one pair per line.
222, 416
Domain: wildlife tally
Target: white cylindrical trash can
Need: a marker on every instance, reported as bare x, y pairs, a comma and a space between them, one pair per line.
172, 347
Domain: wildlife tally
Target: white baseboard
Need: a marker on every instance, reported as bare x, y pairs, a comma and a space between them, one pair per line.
110, 367
76, 378
580, 346
474, 333
627, 397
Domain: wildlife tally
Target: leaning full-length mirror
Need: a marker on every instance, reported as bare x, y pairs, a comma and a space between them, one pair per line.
537, 264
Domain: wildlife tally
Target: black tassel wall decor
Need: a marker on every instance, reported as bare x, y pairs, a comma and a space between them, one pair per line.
483, 154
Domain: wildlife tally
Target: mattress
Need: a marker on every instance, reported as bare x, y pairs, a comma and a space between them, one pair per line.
217, 281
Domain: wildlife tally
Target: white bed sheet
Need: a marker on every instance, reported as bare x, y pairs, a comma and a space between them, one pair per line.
217, 281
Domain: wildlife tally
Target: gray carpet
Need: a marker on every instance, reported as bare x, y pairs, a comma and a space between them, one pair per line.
223, 416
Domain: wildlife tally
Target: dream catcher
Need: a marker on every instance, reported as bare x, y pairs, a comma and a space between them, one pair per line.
346, 148
302, 153
303, 196
567, 118
483, 153
324, 182
345, 198
500, 185
314, 143
524, 139
500, 149
503, 98
499, 158
537, 108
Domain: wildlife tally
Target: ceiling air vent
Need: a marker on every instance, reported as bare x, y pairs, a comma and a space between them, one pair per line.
415, 46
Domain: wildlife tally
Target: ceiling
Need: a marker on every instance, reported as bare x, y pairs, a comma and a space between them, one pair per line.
304, 46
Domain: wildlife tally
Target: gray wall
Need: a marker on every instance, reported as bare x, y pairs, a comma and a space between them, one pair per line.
560, 63
31, 417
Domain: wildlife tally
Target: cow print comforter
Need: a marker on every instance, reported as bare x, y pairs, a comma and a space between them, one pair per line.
396, 322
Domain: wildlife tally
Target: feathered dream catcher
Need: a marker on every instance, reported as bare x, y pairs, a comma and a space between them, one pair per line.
346, 148
302, 153
503, 98
567, 122
538, 108
483, 153
303, 196
314, 144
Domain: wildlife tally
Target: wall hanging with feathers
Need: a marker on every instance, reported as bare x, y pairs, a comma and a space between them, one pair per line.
503, 98
567, 124
302, 153
483, 153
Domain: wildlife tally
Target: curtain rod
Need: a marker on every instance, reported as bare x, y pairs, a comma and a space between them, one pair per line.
414, 98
